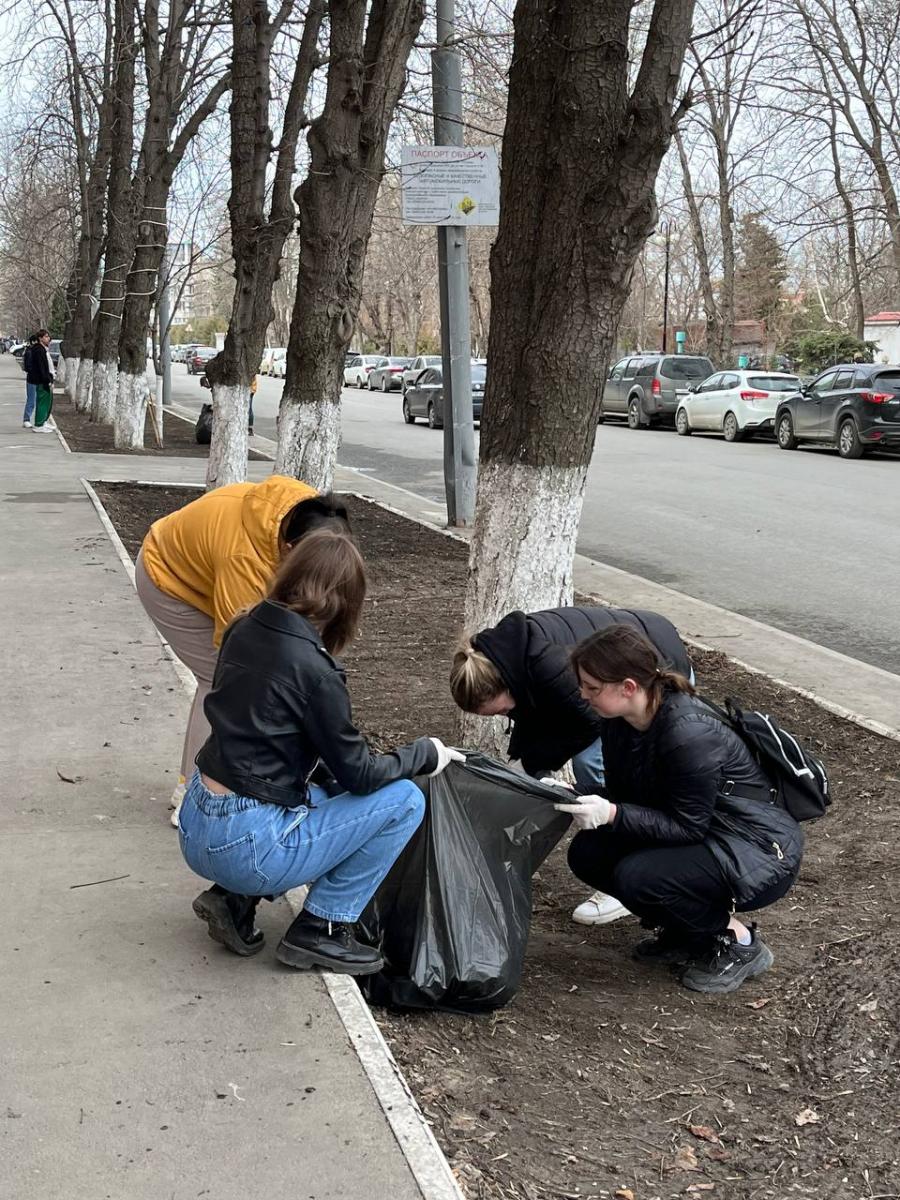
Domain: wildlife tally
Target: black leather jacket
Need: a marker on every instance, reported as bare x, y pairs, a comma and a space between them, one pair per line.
551, 722
689, 778
279, 706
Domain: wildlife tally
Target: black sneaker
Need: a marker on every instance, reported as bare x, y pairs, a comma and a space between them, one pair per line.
230, 918
727, 964
314, 942
665, 947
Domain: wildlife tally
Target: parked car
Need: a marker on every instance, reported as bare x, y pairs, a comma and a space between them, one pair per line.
182, 353
387, 374
268, 358
737, 404
646, 389
278, 366
356, 372
426, 396
856, 406
198, 358
415, 369
53, 350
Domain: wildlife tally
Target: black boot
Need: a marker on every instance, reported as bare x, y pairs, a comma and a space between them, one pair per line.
230, 918
314, 942
665, 947
727, 964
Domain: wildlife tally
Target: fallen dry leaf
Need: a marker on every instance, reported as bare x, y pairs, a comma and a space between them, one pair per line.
718, 1155
685, 1160
705, 1132
761, 1003
868, 1007
624, 1194
808, 1116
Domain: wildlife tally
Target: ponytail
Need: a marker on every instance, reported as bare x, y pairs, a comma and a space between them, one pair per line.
474, 680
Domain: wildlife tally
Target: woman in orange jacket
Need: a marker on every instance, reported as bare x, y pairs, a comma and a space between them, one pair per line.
203, 563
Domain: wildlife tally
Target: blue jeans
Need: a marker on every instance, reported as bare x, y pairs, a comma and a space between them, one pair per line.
587, 767
343, 846
30, 401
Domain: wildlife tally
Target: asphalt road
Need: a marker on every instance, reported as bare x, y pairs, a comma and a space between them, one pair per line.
804, 541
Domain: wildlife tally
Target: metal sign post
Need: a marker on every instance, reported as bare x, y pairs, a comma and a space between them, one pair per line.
453, 271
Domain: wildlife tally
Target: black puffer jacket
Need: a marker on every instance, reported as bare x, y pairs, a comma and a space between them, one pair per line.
551, 722
689, 778
36, 362
279, 705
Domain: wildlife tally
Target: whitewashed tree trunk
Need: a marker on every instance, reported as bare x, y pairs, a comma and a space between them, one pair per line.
309, 436
72, 378
104, 389
61, 371
131, 407
83, 384
228, 449
526, 525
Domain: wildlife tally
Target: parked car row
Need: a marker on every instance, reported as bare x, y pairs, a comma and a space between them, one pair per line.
855, 407
425, 396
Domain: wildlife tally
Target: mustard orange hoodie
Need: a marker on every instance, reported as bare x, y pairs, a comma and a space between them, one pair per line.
219, 552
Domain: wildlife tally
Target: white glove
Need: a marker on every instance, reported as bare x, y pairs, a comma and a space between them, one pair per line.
445, 757
589, 813
549, 781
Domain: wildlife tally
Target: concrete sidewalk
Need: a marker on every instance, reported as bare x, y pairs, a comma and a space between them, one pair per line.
140, 1060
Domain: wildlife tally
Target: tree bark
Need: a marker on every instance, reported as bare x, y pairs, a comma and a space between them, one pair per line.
168, 63
257, 240
710, 307
119, 221
336, 202
580, 160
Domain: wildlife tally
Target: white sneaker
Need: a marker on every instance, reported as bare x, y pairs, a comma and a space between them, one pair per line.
599, 909
42, 429
175, 802
27, 424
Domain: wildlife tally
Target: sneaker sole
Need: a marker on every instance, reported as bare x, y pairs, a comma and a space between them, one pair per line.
604, 918
220, 927
305, 960
731, 983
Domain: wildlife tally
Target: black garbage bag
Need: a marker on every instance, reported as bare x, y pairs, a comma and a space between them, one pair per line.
453, 915
203, 428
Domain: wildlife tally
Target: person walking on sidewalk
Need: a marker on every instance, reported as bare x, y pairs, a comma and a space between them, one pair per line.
39, 372
203, 563
520, 669
253, 386
687, 833
30, 388
287, 791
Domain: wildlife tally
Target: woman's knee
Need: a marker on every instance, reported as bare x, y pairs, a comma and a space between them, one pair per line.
410, 798
586, 857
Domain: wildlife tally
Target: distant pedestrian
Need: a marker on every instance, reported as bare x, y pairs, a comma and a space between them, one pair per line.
40, 372
30, 388
253, 386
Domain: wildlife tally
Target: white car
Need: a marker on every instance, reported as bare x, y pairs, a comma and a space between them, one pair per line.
268, 358
278, 366
356, 371
736, 404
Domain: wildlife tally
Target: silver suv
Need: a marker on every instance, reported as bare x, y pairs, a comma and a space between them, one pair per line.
646, 389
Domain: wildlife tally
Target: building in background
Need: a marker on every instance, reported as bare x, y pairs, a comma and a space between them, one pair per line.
884, 330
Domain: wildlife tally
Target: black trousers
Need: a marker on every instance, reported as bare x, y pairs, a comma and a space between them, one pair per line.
677, 887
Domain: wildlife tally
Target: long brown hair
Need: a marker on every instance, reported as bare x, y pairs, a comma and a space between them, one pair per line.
323, 578
619, 653
474, 680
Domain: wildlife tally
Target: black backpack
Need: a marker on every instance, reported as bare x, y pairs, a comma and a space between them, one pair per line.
799, 779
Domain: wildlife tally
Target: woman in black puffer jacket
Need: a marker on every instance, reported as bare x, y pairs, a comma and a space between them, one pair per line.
687, 833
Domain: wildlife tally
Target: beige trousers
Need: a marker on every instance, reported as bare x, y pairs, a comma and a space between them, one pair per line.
190, 634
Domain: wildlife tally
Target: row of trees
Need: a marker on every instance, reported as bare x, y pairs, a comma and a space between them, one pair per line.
589, 97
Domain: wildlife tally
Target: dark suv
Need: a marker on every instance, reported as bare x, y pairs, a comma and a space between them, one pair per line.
646, 389
857, 406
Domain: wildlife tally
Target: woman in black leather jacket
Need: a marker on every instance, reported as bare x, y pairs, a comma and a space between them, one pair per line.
687, 833
287, 791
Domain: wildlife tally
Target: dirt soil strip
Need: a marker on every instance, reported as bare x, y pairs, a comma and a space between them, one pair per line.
605, 1076
83, 436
